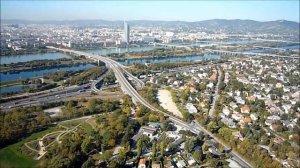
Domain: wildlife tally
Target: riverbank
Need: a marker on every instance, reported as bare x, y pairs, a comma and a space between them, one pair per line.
42, 64
11, 52
156, 53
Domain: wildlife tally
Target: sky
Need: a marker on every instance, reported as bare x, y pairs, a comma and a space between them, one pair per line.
150, 10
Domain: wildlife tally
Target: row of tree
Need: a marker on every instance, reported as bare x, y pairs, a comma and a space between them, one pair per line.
20, 123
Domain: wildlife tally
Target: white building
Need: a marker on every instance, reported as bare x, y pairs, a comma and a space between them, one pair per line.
191, 108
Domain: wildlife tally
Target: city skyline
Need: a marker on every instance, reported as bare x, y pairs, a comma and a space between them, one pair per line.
144, 10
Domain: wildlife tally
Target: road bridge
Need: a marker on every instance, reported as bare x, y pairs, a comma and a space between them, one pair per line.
127, 88
224, 52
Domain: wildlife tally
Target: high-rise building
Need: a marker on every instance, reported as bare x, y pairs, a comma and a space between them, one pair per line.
126, 32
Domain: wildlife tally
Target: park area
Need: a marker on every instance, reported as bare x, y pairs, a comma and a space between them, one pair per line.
27, 152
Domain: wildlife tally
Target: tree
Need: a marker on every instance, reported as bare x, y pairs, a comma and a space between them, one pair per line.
86, 145
188, 145
162, 148
142, 142
91, 105
122, 156
107, 155
154, 149
88, 164
111, 142
198, 156
212, 126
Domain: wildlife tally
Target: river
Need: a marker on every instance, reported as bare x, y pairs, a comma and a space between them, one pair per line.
10, 76
8, 59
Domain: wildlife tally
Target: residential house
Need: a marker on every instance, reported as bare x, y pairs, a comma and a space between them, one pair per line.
233, 105
226, 111
237, 116
269, 122
145, 130
245, 121
273, 117
191, 161
142, 163
274, 127
229, 122
278, 140
238, 135
245, 109
214, 151
181, 164
239, 100
191, 108
254, 116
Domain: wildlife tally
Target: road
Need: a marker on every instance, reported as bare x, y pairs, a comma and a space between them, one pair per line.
216, 95
39, 98
46, 97
127, 88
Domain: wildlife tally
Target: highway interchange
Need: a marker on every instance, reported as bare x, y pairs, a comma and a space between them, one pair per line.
119, 71
127, 88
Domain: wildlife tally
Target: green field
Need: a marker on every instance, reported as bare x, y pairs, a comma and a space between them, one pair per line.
72, 123
9, 83
87, 127
11, 156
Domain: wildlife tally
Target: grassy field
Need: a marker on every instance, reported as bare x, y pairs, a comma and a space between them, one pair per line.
72, 123
11, 156
9, 83
87, 127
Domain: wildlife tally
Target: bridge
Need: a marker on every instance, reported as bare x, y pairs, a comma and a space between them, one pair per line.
224, 52
127, 88
108, 62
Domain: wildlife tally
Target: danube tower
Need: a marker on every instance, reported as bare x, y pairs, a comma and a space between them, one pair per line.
126, 32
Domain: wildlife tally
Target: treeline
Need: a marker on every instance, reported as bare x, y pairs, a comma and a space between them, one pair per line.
20, 123
73, 109
60, 75
149, 92
158, 52
42, 64
86, 76
142, 69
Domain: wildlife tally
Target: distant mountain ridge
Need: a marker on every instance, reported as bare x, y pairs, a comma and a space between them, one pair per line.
230, 26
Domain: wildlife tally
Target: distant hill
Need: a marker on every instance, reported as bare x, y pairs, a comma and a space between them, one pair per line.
228, 26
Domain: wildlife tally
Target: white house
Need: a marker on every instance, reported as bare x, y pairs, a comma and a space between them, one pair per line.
191, 108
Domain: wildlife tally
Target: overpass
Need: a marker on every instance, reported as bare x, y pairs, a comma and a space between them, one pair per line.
108, 62
127, 88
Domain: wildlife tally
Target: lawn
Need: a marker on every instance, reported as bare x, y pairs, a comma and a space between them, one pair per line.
11, 155
72, 123
87, 127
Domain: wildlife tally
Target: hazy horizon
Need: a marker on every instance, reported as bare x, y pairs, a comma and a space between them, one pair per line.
189, 11
119, 20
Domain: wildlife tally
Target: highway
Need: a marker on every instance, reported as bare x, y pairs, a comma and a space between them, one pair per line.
119, 71
127, 88
46, 97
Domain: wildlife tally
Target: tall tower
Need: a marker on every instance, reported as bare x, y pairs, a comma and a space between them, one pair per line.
126, 32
